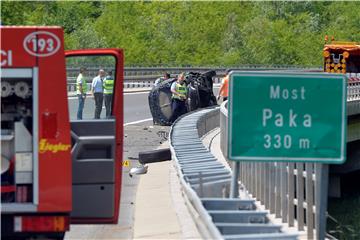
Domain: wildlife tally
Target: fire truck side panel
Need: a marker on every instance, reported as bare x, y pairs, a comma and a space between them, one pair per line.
35, 58
21, 48
54, 133
12, 50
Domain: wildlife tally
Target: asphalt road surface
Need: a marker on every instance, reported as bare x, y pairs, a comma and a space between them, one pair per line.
139, 135
137, 138
136, 107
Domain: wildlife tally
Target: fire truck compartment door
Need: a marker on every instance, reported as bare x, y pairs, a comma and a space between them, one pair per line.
93, 164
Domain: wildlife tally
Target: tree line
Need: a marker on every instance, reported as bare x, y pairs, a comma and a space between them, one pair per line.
197, 33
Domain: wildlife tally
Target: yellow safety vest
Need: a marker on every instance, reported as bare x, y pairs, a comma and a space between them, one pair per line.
83, 84
108, 85
181, 89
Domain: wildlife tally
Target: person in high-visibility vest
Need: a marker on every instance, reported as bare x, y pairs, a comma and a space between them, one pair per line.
81, 89
108, 85
224, 89
179, 92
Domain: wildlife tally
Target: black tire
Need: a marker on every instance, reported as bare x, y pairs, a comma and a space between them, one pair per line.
154, 156
200, 95
160, 103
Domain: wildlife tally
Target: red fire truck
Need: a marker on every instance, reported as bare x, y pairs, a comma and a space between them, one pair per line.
54, 171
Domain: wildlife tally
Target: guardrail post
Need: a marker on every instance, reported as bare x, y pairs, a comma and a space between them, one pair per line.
263, 182
258, 183
272, 187
253, 180
291, 188
267, 185
201, 187
321, 197
300, 195
234, 191
283, 187
277, 190
248, 173
309, 200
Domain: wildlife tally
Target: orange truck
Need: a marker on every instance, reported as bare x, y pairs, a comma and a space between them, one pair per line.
343, 57
54, 171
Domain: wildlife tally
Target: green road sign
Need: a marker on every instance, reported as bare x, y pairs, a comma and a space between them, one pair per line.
287, 117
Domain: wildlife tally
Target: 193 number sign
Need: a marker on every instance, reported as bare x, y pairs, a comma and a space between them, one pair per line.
41, 43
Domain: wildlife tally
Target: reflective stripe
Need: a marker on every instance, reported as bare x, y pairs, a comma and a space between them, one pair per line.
108, 85
181, 89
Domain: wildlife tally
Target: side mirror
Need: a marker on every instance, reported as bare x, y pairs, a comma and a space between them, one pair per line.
139, 170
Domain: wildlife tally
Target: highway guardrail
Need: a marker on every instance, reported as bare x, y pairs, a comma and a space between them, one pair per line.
205, 182
140, 77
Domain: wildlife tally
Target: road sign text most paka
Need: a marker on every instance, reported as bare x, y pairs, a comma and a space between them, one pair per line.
287, 117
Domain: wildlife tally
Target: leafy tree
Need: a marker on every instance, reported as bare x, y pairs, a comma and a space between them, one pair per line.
197, 33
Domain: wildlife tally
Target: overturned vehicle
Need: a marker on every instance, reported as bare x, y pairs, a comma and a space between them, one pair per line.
199, 95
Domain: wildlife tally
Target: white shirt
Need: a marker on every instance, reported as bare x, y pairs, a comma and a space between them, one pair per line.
173, 86
79, 82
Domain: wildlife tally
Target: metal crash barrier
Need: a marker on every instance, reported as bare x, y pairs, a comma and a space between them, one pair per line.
205, 183
144, 77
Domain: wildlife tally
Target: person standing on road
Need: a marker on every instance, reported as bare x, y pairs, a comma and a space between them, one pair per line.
97, 91
224, 88
108, 93
179, 92
161, 79
81, 89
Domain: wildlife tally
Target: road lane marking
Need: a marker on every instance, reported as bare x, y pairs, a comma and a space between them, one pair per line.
75, 97
139, 121
133, 93
129, 93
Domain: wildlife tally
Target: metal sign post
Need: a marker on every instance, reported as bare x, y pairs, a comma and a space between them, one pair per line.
234, 190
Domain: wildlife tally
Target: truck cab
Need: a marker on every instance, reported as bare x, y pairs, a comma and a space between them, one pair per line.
342, 57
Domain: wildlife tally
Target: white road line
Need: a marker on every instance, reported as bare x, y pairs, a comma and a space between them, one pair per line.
128, 93
72, 98
139, 121
75, 97
133, 93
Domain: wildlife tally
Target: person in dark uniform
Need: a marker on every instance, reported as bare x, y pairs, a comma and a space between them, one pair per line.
179, 92
108, 87
97, 91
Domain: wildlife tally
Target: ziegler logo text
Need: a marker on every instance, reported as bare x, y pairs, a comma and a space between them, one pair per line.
45, 146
